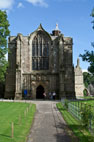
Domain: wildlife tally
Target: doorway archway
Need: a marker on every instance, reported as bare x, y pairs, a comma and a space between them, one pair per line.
39, 92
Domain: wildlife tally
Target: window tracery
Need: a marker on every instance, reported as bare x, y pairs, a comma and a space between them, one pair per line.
40, 53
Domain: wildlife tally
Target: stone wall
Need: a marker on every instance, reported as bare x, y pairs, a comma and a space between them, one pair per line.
10, 76
32, 81
59, 77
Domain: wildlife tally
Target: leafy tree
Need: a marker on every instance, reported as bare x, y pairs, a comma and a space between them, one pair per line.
4, 33
88, 79
89, 56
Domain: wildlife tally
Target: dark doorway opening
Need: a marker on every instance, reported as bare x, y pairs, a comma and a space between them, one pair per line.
39, 92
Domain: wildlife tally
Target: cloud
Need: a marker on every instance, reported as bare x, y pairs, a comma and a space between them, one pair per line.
84, 70
20, 5
6, 4
41, 3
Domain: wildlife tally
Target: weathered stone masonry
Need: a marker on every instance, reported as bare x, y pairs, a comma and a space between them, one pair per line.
40, 60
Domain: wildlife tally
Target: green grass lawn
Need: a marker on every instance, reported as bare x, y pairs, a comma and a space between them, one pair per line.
20, 116
82, 134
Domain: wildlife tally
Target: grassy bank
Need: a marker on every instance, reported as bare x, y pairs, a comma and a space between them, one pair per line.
88, 102
75, 125
21, 114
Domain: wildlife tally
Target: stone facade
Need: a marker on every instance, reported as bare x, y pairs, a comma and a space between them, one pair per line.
79, 86
40, 62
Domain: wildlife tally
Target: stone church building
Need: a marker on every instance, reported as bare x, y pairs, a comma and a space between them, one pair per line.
38, 63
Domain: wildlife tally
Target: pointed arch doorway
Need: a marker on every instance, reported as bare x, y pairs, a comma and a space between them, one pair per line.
39, 92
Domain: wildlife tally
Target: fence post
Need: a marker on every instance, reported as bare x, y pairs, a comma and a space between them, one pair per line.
24, 113
79, 111
81, 105
12, 130
90, 118
27, 109
30, 105
78, 104
19, 119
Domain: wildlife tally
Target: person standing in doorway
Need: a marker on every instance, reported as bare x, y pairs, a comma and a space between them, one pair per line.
54, 95
49, 95
44, 94
25, 93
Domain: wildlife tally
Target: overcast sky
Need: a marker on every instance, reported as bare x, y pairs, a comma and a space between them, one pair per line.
73, 17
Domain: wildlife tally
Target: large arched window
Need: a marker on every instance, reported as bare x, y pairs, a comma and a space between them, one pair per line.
40, 53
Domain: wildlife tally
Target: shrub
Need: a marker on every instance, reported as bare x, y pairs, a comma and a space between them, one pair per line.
66, 103
85, 92
85, 115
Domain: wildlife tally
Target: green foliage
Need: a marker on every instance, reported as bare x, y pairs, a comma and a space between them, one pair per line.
3, 67
89, 56
88, 78
66, 103
85, 93
4, 33
92, 14
85, 115
75, 125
